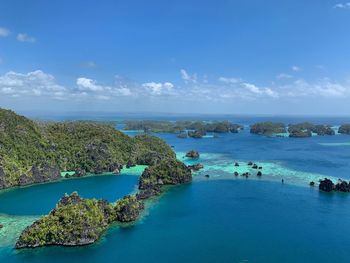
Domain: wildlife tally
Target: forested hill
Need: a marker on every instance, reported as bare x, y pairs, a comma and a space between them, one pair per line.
35, 152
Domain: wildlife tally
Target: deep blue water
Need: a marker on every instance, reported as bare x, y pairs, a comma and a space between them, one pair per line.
40, 199
215, 220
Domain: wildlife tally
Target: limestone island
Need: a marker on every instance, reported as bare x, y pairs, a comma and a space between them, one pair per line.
35, 152
299, 130
306, 129
184, 129
76, 221
267, 128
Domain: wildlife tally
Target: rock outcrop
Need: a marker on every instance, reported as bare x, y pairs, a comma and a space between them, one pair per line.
326, 185
128, 209
192, 154
195, 167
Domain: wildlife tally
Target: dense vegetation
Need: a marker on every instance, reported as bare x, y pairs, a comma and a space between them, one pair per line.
267, 128
197, 128
299, 130
76, 221
128, 209
32, 152
344, 129
165, 172
73, 222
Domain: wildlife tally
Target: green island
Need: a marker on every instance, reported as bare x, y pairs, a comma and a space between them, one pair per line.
267, 128
194, 129
36, 152
306, 129
299, 130
77, 222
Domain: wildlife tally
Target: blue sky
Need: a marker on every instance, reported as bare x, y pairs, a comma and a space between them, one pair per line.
237, 56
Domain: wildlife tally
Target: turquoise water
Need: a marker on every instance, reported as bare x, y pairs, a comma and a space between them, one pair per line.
220, 219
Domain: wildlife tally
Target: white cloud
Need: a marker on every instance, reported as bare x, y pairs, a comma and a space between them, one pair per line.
260, 91
230, 80
38, 84
284, 76
342, 6
4, 32
22, 37
320, 88
88, 85
187, 77
158, 88
32, 83
296, 68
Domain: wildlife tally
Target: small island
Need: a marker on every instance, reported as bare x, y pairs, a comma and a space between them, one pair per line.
327, 185
185, 129
299, 130
76, 221
267, 128
306, 129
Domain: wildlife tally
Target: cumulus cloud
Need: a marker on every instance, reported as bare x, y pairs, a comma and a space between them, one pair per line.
342, 6
260, 91
22, 37
158, 88
38, 84
32, 83
88, 84
4, 32
187, 77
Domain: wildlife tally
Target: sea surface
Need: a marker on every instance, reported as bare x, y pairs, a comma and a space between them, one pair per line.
222, 218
